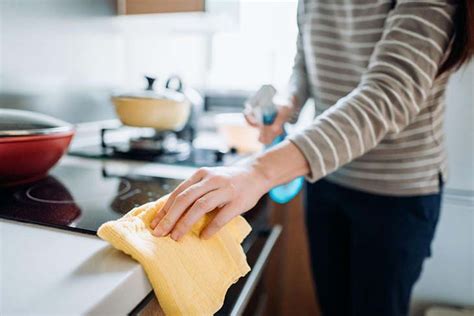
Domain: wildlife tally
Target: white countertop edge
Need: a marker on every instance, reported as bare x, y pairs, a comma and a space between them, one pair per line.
73, 273
124, 298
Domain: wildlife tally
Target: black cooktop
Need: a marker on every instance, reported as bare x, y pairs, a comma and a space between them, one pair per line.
83, 196
80, 198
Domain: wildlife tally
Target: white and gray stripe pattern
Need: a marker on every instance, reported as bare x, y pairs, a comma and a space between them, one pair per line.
372, 68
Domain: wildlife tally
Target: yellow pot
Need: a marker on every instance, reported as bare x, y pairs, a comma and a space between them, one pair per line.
160, 114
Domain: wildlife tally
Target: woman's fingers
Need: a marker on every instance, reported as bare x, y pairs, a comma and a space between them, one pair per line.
225, 215
195, 178
270, 132
181, 203
203, 205
284, 113
159, 215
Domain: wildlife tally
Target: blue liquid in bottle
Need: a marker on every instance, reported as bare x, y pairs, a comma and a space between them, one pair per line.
286, 192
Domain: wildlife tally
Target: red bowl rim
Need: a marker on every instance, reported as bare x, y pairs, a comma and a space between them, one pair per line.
14, 139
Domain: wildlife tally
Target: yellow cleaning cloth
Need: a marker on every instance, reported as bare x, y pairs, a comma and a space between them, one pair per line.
189, 277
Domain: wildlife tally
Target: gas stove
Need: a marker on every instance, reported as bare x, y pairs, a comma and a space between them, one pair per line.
165, 147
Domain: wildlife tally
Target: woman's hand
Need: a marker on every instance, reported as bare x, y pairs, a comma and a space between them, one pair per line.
269, 132
232, 190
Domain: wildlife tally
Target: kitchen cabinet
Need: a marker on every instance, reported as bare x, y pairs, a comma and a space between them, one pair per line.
125, 7
288, 275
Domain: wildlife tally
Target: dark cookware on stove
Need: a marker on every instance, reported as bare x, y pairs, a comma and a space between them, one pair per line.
30, 144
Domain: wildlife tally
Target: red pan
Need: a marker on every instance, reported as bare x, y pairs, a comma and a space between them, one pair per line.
30, 144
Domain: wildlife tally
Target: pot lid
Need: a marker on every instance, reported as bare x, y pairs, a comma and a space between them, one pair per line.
25, 123
173, 90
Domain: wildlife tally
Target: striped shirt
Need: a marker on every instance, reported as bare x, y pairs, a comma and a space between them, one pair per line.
371, 67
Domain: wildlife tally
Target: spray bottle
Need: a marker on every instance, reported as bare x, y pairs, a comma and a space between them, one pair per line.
263, 108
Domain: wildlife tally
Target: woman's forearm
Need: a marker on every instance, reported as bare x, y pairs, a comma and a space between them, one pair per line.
280, 164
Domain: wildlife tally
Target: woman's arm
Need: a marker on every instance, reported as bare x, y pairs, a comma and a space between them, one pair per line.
391, 94
392, 91
298, 85
234, 190
281, 164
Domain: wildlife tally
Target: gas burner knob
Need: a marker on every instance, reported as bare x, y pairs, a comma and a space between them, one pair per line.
219, 156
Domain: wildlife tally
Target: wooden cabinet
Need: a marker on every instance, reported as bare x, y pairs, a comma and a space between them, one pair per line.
288, 275
159, 6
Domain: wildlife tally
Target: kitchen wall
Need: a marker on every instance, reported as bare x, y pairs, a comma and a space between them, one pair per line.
65, 57
59, 57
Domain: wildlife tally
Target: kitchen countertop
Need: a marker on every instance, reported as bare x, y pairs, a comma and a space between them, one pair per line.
49, 271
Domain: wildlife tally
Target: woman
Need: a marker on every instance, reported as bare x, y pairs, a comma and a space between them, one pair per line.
374, 154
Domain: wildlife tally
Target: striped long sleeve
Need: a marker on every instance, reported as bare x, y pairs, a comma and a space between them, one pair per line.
395, 87
298, 85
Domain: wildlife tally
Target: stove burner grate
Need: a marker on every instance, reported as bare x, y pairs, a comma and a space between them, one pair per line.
162, 143
173, 148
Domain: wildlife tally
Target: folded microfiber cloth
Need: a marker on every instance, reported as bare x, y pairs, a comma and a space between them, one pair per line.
191, 276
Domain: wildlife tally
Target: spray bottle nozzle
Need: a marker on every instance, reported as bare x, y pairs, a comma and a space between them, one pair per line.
262, 106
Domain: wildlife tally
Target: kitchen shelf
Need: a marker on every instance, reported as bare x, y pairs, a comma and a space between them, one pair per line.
126, 7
